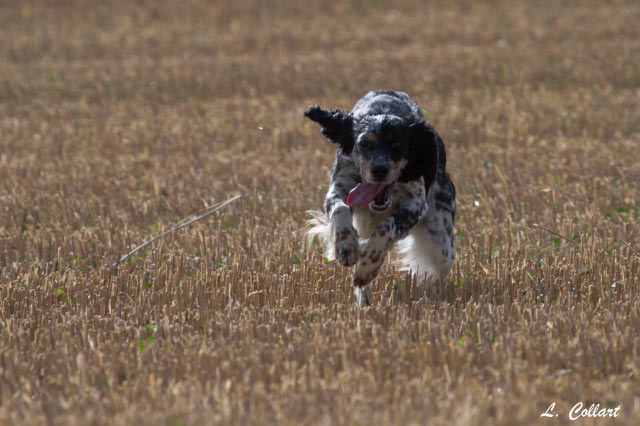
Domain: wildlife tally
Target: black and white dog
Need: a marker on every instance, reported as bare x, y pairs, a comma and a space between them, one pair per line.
388, 185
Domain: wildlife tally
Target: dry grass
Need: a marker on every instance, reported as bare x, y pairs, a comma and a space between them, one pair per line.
118, 120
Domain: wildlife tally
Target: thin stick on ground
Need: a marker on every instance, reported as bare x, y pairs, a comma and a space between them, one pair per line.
544, 228
211, 210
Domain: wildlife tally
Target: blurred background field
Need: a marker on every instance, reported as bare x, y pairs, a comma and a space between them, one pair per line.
118, 119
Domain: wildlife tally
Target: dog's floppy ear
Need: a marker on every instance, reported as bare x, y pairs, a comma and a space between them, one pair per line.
423, 145
336, 126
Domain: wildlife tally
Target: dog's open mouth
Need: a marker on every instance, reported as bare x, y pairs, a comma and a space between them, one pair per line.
375, 195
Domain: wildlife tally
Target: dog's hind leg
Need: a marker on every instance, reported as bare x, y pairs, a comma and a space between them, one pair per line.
363, 296
429, 249
427, 253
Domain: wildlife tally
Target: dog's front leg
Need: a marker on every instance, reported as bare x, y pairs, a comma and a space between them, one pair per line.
344, 236
388, 232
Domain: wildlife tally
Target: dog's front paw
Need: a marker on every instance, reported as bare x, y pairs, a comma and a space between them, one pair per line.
372, 257
347, 247
368, 267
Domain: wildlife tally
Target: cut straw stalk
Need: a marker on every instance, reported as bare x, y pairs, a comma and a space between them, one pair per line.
183, 223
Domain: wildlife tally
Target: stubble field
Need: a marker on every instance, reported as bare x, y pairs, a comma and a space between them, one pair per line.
118, 120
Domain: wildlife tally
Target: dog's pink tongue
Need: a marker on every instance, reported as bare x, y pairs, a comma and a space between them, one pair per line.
364, 193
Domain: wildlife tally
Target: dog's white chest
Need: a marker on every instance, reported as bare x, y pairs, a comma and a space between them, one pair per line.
365, 221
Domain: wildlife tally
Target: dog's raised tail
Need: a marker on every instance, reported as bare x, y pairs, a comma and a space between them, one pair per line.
319, 232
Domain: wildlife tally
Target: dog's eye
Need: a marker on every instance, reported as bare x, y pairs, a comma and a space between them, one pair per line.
364, 143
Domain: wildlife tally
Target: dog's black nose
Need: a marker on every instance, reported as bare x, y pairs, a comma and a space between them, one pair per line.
379, 171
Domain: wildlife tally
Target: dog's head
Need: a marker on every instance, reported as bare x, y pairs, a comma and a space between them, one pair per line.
386, 148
